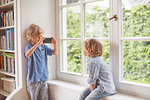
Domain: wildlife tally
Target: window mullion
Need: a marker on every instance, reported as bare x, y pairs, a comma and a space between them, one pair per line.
135, 39
115, 43
111, 36
69, 5
82, 36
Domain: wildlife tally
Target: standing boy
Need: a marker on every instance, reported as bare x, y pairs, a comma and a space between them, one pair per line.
36, 52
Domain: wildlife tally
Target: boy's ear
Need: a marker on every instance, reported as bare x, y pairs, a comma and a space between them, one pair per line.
88, 49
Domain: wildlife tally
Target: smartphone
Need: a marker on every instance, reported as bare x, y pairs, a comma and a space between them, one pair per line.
47, 40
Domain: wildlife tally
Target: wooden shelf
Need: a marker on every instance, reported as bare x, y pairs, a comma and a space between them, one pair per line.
6, 73
6, 8
7, 5
4, 92
8, 27
7, 51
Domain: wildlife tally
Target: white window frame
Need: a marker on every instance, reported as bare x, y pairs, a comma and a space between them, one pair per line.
115, 39
70, 76
139, 89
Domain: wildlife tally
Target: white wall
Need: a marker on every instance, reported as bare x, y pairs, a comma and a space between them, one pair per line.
60, 90
63, 93
42, 13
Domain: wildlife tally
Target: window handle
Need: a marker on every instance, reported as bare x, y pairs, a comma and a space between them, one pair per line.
114, 17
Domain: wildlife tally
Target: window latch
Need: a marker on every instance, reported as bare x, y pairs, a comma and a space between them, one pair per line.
114, 17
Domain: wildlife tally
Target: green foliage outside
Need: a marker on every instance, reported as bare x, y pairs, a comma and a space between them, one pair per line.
98, 21
136, 54
74, 56
73, 24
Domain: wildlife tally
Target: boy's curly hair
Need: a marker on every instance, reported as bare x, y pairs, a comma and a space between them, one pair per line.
32, 31
94, 47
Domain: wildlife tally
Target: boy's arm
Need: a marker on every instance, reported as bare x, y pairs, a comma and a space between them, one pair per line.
55, 49
55, 46
30, 51
93, 74
92, 86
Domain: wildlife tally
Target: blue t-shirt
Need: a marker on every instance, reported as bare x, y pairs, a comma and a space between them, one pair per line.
37, 63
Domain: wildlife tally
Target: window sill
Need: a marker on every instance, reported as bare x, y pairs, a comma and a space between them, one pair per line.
137, 84
68, 85
79, 88
121, 96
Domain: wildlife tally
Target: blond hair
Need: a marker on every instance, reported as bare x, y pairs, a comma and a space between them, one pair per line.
94, 47
32, 31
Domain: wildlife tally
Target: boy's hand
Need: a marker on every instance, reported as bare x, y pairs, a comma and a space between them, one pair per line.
92, 86
41, 41
55, 46
53, 40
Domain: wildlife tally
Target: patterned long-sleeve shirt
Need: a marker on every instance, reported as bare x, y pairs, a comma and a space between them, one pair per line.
100, 75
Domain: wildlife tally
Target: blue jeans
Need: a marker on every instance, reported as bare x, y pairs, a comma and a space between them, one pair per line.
94, 95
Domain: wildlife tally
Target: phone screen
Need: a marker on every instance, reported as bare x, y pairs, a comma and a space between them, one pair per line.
47, 40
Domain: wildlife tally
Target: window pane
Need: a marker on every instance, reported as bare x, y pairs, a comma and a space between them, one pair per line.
106, 52
64, 2
71, 56
97, 15
105, 56
71, 22
136, 18
136, 61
